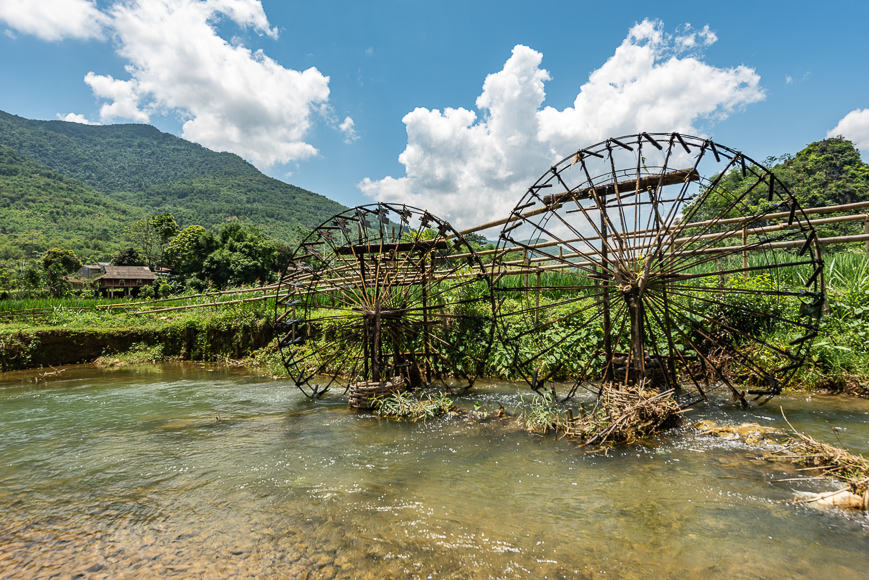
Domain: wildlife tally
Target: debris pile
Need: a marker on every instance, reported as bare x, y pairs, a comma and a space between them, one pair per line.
831, 461
623, 415
405, 405
748, 433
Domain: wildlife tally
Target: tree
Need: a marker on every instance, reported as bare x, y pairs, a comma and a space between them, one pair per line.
128, 257
166, 228
186, 251
283, 253
244, 255
143, 237
56, 280
825, 173
66, 260
31, 241
150, 235
32, 278
5, 280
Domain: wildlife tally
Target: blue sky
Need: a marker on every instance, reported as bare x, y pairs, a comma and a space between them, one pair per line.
453, 106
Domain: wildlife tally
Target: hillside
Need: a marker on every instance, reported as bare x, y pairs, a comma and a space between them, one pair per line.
824, 173
138, 166
40, 208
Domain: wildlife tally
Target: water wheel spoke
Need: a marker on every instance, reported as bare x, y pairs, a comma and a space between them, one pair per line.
740, 334
739, 354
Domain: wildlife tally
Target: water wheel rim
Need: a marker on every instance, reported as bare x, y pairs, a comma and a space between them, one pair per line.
393, 283
614, 219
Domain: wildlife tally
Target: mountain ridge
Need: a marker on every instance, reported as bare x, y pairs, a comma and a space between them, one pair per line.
136, 169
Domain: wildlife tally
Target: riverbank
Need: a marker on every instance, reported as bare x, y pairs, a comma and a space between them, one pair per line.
72, 337
241, 338
243, 333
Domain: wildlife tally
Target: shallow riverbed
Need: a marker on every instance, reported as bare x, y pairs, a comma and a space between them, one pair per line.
181, 471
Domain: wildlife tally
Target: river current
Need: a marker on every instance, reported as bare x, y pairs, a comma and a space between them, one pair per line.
197, 471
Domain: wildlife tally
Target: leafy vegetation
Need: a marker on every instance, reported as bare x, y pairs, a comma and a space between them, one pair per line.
406, 405
40, 209
75, 330
825, 173
134, 194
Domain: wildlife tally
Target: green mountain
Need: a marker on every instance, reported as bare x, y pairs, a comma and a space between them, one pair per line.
124, 172
828, 172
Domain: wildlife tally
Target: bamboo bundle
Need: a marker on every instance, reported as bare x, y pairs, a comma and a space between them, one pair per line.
362, 395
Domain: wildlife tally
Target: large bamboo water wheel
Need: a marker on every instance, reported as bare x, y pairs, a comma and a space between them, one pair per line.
652, 259
383, 297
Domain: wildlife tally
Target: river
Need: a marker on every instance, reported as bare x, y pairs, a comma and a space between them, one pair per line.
198, 471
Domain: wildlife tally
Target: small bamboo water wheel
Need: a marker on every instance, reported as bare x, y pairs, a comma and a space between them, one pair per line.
381, 298
647, 259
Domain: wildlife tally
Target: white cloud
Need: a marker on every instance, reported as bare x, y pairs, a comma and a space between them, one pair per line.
54, 19
245, 13
855, 127
75, 118
467, 169
648, 85
348, 127
230, 97
124, 96
472, 170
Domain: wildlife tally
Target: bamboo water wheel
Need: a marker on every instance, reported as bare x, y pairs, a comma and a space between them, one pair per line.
652, 259
384, 296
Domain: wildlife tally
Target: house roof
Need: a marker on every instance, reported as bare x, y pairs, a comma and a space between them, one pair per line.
127, 273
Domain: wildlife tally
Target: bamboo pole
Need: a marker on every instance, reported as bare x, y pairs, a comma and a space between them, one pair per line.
641, 233
866, 231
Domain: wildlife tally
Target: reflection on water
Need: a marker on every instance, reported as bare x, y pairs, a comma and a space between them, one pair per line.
183, 471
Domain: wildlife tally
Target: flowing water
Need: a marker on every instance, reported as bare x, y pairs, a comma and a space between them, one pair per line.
191, 471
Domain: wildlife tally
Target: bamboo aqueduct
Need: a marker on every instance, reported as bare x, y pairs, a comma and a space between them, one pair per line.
619, 253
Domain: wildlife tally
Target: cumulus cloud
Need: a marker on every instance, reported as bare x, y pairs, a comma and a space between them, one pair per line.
124, 97
231, 98
649, 85
855, 127
54, 19
228, 96
467, 169
75, 118
348, 127
472, 168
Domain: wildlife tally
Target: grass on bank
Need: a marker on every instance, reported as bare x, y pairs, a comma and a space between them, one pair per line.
838, 360
227, 332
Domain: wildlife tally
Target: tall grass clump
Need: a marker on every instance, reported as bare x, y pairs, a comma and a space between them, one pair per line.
405, 405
